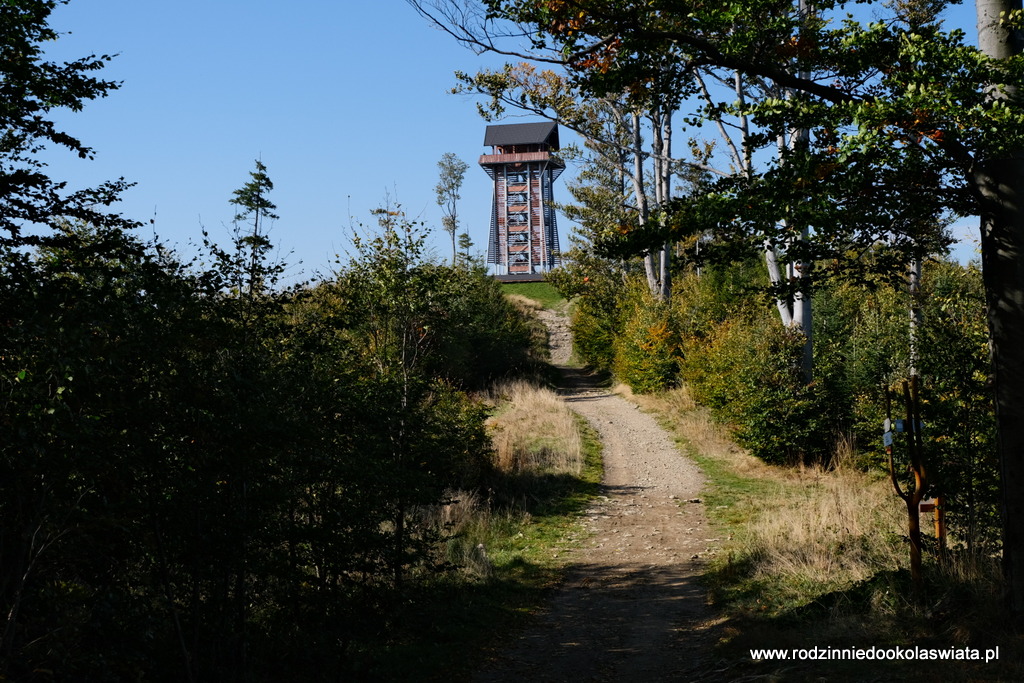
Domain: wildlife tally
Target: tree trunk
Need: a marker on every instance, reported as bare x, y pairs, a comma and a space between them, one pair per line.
914, 287
914, 532
640, 196
999, 184
665, 180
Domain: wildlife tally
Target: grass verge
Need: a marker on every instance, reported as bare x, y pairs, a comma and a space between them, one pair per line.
506, 547
542, 292
816, 558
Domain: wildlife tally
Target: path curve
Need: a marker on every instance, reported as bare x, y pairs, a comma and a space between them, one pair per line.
631, 608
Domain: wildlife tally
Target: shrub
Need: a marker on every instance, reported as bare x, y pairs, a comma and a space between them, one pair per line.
647, 349
747, 371
959, 409
595, 287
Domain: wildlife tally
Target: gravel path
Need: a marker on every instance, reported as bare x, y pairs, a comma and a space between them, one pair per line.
631, 608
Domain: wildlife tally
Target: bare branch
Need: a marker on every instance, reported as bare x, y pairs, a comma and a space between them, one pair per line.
472, 28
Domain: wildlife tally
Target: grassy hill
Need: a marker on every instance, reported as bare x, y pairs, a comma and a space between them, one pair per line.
542, 292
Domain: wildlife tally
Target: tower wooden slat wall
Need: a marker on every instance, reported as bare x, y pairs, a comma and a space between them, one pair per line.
524, 237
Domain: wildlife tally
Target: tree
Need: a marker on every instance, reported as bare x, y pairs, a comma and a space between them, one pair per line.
452, 172
32, 89
45, 491
465, 244
996, 178
419, 330
256, 208
906, 121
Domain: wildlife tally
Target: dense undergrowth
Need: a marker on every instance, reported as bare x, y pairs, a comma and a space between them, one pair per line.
204, 477
505, 547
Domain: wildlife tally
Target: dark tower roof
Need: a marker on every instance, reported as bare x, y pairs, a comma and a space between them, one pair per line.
544, 133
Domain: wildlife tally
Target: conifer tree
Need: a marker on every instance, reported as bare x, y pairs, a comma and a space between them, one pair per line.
255, 209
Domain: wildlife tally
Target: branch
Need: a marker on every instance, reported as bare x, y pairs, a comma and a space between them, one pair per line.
737, 158
459, 24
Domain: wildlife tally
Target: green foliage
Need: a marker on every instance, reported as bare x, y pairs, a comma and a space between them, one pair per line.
595, 286
896, 110
862, 341
251, 199
741, 363
449, 322
245, 268
203, 482
647, 348
747, 371
959, 403
594, 336
33, 91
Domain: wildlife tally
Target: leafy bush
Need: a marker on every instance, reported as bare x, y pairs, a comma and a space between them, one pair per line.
595, 287
647, 348
959, 406
207, 482
747, 371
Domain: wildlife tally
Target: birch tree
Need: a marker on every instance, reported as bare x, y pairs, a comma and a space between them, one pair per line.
906, 121
452, 171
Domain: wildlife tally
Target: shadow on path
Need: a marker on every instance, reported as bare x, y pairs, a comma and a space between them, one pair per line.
572, 380
632, 607
612, 622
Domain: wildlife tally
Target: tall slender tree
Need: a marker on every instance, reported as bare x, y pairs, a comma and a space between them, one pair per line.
254, 209
449, 185
996, 177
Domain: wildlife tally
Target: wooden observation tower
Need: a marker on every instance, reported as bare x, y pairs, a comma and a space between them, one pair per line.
523, 242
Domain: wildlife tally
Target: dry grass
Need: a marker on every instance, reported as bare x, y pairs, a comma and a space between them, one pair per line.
840, 526
824, 545
524, 303
534, 431
809, 527
533, 434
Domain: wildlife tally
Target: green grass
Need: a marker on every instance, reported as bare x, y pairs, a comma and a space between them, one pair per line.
541, 292
452, 623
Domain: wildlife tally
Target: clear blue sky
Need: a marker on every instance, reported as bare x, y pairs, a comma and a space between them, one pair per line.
346, 102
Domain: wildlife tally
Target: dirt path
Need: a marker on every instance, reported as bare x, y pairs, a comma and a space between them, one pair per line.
631, 608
